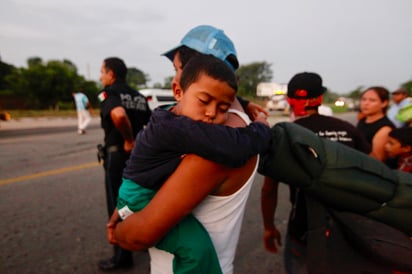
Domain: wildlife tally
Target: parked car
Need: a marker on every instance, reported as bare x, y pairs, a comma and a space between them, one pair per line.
277, 102
348, 103
158, 97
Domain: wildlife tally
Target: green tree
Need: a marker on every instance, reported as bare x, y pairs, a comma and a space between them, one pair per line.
136, 78
250, 75
408, 86
5, 70
34, 61
167, 82
356, 93
44, 85
90, 88
329, 97
157, 85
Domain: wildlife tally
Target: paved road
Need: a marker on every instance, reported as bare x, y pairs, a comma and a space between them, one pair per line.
53, 208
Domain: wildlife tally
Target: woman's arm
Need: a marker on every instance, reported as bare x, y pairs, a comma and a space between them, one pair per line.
378, 143
192, 181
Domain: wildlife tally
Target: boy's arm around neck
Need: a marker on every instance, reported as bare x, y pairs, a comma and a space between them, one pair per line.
225, 145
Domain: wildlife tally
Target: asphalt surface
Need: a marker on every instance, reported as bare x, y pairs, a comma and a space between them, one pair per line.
53, 210
53, 204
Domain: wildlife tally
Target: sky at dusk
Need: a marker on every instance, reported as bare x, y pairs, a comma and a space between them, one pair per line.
350, 43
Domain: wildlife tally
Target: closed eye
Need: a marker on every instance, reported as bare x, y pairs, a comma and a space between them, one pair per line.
224, 108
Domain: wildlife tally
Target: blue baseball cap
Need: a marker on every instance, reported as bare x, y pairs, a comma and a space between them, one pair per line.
208, 40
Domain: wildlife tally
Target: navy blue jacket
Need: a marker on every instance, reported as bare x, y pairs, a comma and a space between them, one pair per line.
160, 146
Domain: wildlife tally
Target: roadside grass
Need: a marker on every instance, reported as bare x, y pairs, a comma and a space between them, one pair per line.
339, 109
16, 114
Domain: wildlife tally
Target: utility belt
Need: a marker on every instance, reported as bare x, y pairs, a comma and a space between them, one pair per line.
102, 151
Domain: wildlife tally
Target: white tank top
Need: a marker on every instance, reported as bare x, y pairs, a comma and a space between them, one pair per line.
222, 217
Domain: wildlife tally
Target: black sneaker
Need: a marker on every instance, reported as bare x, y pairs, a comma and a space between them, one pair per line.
111, 264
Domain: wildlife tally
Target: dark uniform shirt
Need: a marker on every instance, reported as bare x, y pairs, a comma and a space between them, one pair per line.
160, 146
135, 104
335, 130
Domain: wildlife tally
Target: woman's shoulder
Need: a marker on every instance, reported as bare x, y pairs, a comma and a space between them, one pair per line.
381, 122
385, 121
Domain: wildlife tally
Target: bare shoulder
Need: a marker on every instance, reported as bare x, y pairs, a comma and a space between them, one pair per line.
236, 178
383, 132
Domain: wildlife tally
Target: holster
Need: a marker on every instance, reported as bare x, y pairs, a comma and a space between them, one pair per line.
101, 152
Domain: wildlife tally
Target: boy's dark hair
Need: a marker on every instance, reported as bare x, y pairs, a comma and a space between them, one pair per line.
210, 66
117, 66
403, 135
185, 54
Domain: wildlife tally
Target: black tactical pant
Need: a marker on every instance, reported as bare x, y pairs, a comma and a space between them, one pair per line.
114, 163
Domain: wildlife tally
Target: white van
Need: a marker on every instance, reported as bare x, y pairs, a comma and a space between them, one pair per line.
158, 97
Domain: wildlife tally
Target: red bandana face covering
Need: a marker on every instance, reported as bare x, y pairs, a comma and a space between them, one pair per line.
299, 105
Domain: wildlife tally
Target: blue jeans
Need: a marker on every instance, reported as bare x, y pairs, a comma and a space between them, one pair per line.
294, 256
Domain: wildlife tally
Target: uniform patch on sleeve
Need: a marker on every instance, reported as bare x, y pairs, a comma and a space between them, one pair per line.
102, 96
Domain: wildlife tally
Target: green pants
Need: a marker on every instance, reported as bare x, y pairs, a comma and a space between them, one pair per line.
188, 241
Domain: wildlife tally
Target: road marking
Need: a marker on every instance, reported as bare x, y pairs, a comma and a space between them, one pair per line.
47, 173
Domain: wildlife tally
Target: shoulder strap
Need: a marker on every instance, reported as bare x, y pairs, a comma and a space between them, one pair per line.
241, 114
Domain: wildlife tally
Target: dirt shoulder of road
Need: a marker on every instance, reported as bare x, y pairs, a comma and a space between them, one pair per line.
41, 122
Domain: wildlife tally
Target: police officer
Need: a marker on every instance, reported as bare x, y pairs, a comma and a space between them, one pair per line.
123, 112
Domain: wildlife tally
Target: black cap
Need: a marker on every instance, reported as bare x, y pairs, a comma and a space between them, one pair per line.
305, 85
403, 135
401, 90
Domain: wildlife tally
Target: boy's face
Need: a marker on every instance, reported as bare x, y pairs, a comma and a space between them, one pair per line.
397, 97
394, 148
206, 100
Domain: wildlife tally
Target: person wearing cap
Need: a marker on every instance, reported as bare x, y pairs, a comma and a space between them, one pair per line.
216, 195
399, 147
206, 91
401, 99
304, 93
205, 39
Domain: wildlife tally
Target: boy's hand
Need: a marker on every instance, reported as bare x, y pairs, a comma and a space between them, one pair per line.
262, 118
255, 110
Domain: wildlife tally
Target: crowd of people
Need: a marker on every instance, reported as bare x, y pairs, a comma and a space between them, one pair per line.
178, 177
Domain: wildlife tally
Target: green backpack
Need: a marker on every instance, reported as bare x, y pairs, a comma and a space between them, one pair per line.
338, 176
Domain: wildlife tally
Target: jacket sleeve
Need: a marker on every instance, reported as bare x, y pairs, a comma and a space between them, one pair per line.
225, 145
